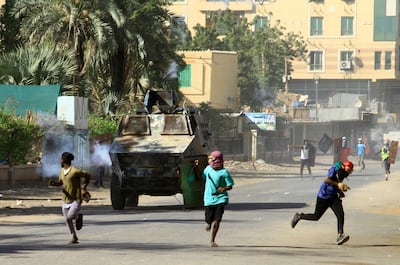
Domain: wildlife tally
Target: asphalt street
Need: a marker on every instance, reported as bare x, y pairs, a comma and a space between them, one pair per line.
255, 230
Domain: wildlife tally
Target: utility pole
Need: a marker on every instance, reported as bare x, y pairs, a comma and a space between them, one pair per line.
316, 78
286, 77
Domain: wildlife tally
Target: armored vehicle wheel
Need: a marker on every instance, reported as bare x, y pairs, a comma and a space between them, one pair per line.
118, 198
133, 199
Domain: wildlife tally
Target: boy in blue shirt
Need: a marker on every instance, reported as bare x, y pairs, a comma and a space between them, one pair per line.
217, 182
329, 196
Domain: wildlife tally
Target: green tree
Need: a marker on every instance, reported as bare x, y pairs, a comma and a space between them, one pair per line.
262, 54
37, 65
145, 51
72, 24
126, 41
102, 126
17, 136
9, 29
205, 38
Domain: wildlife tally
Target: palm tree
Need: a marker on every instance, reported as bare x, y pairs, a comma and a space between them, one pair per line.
72, 24
126, 41
9, 29
144, 50
40, 65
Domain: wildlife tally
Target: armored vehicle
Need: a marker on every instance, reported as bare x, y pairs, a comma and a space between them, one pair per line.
154, 153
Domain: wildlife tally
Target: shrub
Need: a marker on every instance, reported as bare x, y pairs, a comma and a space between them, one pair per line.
18, 136
102, 125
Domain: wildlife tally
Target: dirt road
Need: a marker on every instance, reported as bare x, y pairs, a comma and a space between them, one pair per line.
35, 201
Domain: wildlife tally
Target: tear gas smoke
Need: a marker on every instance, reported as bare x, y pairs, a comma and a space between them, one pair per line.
57, 139
100, 155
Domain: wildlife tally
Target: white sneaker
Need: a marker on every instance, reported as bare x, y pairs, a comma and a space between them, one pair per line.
386, 177
342, 238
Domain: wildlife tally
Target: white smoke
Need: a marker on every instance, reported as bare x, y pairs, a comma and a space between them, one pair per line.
100, 155
56, 140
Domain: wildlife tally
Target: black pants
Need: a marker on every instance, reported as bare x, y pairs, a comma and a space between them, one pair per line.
321, 207
386, 165
305, 162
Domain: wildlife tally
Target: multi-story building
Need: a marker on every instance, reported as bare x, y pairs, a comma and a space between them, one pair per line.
353, 48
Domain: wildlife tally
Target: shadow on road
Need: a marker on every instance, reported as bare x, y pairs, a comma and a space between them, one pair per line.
246, 206
107, 209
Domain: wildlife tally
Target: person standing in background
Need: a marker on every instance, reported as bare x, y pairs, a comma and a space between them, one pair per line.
305, 158
385, 152
361, 147
345, 151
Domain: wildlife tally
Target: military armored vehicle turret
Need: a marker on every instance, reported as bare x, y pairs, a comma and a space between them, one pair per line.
154, 152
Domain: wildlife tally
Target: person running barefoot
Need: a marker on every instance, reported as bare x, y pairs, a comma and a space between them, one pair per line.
217, 182
330, 196
70, 178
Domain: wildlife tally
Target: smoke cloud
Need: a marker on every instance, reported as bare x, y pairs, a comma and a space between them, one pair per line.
58, 139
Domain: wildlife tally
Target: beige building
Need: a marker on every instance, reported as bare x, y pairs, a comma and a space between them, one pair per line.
352, 66
353, 46
210, 77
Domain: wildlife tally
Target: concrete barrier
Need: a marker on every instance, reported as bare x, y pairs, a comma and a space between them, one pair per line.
19, 173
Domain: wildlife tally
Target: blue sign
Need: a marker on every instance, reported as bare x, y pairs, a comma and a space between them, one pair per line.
263, 121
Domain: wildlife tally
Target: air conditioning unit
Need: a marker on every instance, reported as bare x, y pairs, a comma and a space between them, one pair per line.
345, 65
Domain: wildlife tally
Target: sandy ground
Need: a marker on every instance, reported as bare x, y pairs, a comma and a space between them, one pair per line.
36, 201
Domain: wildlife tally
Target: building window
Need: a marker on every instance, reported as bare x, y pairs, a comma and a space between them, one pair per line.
185, 76
316, 60
377, 64
385, 19
347, 26
345, 60
346, 55
388, 60
261, 22
179, 20
316, 26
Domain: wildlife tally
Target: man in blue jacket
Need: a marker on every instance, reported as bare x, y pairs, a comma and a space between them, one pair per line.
330, 196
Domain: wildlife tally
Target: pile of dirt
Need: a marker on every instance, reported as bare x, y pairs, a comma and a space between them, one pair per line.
259, 165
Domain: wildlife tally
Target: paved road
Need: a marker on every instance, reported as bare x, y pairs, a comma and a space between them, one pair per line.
255, 229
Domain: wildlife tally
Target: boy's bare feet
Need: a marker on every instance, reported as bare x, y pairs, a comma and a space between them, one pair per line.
214, 245
74, 240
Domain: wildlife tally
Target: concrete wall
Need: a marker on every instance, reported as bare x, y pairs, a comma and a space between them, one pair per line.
21, 173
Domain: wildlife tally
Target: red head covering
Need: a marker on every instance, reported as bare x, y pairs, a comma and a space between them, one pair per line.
216, 160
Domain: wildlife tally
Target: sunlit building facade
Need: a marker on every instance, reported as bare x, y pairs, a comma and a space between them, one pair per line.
353, 46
